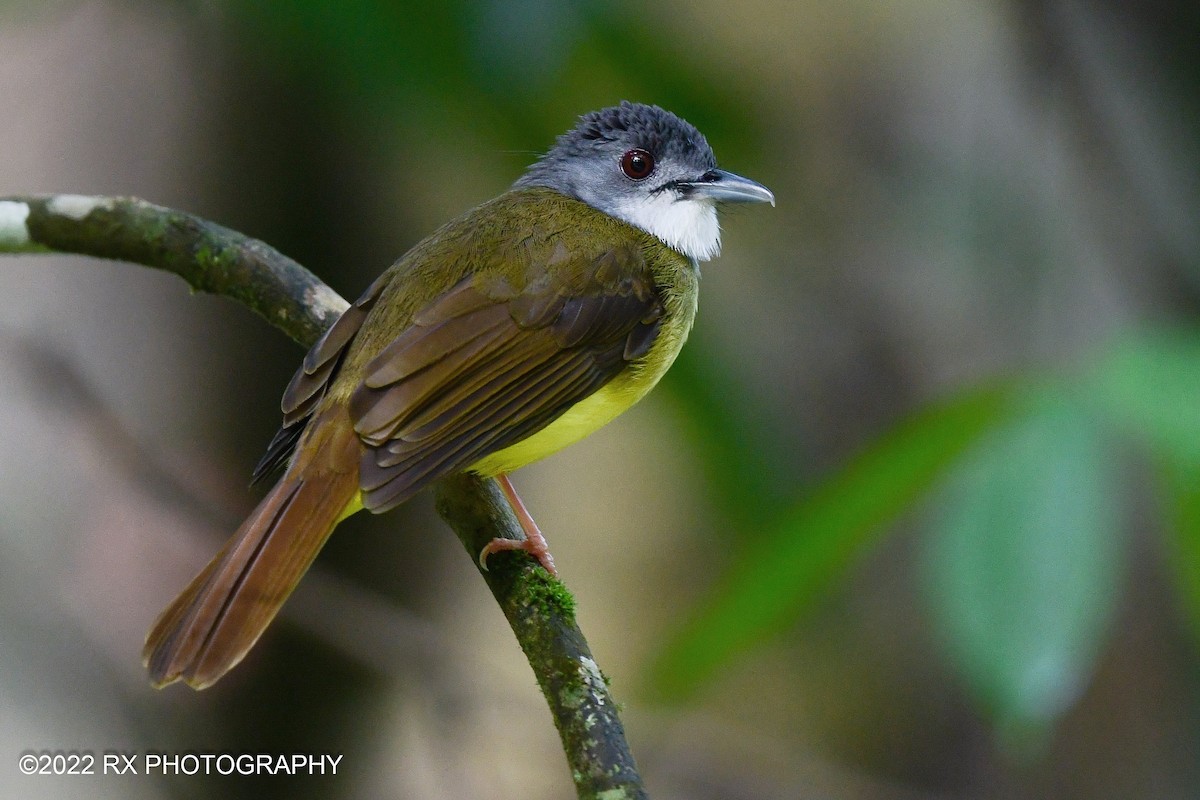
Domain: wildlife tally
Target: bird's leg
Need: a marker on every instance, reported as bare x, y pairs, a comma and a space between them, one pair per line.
533, 543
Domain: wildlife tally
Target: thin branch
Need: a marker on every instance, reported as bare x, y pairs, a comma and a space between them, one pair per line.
221, 261
542, 614
209, 257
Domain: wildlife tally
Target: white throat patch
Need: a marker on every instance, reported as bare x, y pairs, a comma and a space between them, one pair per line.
689, 226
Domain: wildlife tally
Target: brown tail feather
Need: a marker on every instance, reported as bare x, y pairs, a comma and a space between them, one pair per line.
211, 626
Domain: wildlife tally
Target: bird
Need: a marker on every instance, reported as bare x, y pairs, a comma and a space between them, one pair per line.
510, 332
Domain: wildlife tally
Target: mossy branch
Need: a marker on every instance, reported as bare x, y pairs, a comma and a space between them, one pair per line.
209, 257
542, 614
221, 261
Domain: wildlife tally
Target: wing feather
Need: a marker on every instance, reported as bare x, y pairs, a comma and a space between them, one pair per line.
311, 381
480, 369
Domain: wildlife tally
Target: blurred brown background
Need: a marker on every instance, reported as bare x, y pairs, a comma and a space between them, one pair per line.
964, 191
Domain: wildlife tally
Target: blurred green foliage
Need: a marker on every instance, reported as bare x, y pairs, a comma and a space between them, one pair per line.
782, 570
1150, 385
1023, 563
459, 56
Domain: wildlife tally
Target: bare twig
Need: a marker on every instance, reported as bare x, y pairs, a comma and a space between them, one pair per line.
221, 261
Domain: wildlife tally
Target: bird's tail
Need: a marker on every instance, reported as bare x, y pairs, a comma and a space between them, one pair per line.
211, 626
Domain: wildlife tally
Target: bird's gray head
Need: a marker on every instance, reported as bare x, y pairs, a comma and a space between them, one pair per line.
650, 168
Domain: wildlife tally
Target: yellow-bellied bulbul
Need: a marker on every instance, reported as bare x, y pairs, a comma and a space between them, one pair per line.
509, 333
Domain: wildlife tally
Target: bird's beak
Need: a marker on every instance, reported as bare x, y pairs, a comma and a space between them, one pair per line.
726, 187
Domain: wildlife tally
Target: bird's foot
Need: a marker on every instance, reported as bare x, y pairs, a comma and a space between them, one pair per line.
535, 547
534, 543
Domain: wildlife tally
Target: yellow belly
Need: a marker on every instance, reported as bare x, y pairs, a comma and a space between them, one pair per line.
585, 417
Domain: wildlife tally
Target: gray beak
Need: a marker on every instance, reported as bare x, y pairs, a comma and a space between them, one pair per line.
726, 187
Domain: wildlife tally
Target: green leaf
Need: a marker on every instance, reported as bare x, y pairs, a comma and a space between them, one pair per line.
1022, 566
1149, 384
776, 578
1180, 483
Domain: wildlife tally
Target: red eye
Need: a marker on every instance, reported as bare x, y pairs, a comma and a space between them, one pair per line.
637, 164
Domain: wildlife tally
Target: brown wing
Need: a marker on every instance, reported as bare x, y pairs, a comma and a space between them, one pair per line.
484, 366
311, 381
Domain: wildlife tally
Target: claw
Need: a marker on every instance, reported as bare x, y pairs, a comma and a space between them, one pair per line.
534, 543
534, 547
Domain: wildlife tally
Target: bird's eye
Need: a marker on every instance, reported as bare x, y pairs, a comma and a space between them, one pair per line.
637, 164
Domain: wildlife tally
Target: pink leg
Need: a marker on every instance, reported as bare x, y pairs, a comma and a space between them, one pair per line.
533, 543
